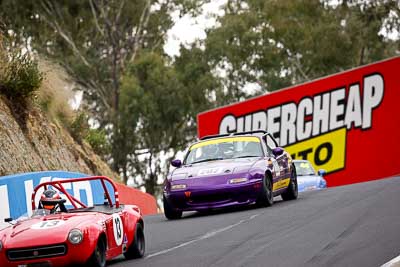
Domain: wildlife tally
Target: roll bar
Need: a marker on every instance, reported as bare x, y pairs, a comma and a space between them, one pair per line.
251, 132
214, 136
75, 202
234, 134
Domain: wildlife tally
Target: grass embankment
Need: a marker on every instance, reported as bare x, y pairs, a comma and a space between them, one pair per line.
27, 83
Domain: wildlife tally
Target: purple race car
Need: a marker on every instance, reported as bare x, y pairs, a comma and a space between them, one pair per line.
226, 170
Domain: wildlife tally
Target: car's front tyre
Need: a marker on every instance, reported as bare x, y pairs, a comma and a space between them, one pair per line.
169, 212
292, 191
266, 197
98, 258
137, 248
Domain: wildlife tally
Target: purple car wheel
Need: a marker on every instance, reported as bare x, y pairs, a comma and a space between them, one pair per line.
266, 198
169, 212
292, 191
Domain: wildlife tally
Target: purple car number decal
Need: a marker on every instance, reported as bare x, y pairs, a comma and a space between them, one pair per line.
210, 171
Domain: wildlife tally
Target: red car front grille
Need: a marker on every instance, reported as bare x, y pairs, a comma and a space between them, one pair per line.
37, 252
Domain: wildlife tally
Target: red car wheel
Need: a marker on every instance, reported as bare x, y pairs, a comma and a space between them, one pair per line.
137, 248
98, 258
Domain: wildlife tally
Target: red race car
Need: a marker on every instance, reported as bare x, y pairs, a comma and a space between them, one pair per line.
56, 236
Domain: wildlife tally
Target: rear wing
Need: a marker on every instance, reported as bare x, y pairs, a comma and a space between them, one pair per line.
75, 202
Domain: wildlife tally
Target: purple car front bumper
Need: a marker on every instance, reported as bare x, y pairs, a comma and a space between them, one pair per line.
204, 198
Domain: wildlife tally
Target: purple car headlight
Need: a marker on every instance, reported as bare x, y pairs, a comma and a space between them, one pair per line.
75, 236
178, 186
238, 180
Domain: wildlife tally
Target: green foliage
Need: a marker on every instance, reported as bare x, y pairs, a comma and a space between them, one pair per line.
94, 40
98, 141
45, 102
151, 112
279, 43
158, 107
202, 89
97, 41
80, 130
160, 99
79, 127
19, 74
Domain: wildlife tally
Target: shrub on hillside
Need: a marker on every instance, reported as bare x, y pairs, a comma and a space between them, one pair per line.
79, 127
55, 93
80, 130
19, 75
98, 141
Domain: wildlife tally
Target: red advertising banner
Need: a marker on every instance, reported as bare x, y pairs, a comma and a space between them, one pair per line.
347, 123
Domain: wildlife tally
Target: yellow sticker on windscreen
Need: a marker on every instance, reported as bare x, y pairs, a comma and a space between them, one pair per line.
226, 140
304, 165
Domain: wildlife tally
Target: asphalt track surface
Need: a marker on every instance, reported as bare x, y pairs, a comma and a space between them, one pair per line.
355, 225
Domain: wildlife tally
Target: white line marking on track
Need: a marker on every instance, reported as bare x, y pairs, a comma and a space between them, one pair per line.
393, 263
205, 236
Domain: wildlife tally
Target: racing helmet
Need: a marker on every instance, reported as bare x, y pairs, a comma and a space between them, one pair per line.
226, 149
50, 200
210, 150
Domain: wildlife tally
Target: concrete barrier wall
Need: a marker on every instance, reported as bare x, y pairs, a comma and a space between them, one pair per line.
129, 195
16, 191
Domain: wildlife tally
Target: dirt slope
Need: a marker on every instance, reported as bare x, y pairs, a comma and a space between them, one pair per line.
29, 141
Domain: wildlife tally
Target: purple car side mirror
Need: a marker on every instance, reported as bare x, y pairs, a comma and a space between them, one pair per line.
277, 151
176, 163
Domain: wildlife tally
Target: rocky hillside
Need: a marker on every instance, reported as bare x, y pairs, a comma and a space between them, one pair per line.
29, 141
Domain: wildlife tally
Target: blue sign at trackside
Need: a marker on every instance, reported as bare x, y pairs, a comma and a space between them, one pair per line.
16, 191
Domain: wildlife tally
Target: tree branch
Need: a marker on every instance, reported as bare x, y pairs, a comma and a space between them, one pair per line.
54, 24
144, 19
96, 20
119, 11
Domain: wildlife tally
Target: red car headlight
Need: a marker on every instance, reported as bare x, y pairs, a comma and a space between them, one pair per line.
1, 246
75, 236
